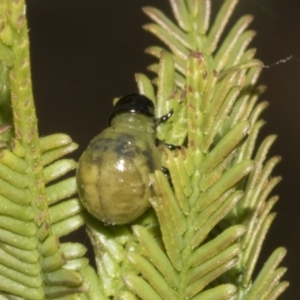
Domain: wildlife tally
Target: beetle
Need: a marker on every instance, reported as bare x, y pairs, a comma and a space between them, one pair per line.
112, 175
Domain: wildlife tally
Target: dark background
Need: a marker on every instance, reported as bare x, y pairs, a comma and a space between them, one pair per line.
85, 53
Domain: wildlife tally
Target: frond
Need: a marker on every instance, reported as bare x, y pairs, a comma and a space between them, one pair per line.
215, 216
37, 207
28, 264
209, 224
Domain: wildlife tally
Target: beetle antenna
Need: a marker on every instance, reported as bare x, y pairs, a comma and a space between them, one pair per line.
281, 61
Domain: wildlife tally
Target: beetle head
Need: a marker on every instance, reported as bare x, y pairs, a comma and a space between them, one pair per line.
133, 103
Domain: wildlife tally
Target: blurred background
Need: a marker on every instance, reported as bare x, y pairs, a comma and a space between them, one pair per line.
85, 53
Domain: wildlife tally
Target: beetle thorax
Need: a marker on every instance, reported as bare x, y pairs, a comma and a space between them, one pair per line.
135, 121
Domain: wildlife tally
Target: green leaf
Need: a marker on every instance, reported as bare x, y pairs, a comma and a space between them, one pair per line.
209, 217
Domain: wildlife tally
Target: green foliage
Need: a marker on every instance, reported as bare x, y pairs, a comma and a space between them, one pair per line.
204, 233
34, 215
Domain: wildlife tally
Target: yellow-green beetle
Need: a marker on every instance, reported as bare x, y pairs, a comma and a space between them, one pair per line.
112, 175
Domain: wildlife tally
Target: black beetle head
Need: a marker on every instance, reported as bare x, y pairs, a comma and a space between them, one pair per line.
133, 103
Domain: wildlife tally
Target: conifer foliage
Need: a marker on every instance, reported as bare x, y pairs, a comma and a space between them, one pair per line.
202, 237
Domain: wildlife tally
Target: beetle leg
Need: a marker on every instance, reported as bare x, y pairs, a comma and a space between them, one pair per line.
172, 147
167, 175
165, 117
159, 142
